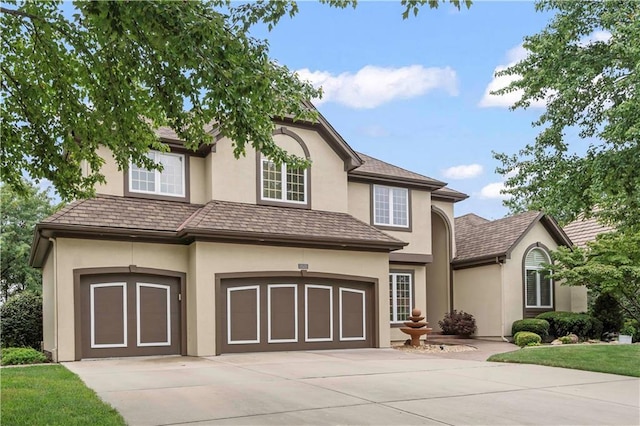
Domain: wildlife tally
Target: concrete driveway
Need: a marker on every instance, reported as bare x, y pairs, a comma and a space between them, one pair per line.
364, 386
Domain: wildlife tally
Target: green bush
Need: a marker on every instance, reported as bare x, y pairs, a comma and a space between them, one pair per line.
460, 323
534, 325
21, 318
566, 340
526, 338
607, 309
17, 356
631, 327
581, 324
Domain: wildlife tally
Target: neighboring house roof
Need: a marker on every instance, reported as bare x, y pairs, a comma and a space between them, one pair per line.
480, 241
173, 222
582, 231
379, 171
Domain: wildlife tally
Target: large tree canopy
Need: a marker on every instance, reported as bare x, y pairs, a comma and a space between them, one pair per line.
20, 214
586, 64
91, 73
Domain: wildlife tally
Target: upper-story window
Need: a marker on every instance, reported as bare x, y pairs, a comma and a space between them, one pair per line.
168, 182
390, 206
538, 282
283, 183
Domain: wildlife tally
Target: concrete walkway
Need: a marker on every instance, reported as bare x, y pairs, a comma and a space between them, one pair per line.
365, 386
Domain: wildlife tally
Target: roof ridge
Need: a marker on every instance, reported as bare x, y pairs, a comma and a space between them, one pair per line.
69, 207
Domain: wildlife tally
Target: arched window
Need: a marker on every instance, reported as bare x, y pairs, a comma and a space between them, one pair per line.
538, 284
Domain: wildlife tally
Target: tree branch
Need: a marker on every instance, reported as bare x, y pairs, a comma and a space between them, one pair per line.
19, 13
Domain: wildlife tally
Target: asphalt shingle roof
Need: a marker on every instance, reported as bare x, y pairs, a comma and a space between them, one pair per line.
582, 231
477, 237
373, 166
219, 218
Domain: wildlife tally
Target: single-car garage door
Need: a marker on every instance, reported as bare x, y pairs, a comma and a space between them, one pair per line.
130, 315
282, 314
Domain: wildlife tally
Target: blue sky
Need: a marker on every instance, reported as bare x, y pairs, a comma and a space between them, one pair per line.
412, 92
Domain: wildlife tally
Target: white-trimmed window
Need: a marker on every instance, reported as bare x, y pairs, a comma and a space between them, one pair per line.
390, 206
283, 183
170, 181
400, 296
538, 285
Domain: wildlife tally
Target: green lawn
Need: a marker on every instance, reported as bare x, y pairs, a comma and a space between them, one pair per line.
51, 395
614, 359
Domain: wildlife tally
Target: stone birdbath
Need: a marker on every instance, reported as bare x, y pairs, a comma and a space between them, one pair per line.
416, 327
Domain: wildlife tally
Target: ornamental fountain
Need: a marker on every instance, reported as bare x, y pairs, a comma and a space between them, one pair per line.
416, 327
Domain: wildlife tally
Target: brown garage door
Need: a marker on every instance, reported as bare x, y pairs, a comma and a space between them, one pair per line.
130, 315
294, 314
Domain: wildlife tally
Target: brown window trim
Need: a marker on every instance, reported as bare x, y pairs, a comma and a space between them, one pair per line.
187, 184
259, 200
533, 312
408, 228
413, 291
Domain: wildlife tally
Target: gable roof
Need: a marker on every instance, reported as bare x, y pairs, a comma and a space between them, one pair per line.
139, 219
375, 170
582, 231
479, 241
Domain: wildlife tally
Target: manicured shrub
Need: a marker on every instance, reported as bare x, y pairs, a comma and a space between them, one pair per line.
17, 356
607, 309
564, 323
534, 325
460, 323
21, 318
526, 338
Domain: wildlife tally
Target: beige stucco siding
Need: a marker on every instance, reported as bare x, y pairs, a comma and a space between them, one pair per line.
201, 261
477, 291
114, 178
48, 304
446, 209
236, 180
197, 181
77, 253
216, 258
419, 237
438, 276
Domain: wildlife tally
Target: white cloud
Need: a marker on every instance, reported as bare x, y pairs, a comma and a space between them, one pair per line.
596, 36
513, 56
373, 86
492, 190
465, 171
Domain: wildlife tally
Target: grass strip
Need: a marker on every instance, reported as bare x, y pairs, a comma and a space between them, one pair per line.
51, 395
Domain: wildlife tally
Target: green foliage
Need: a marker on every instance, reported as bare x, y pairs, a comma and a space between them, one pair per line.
21, 319
631, 327
534, 325
564, 323
526, 338
610, 264
585, 64
566, 340
607, 309
19, 215
458, 323
18, 356
51, 395
109, 73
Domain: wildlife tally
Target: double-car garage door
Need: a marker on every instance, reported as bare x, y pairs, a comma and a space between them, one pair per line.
294, 314
130, 315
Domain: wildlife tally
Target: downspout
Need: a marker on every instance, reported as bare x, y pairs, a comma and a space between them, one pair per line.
502, 301
54, 350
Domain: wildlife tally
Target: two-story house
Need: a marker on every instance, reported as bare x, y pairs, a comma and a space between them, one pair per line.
216, 254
